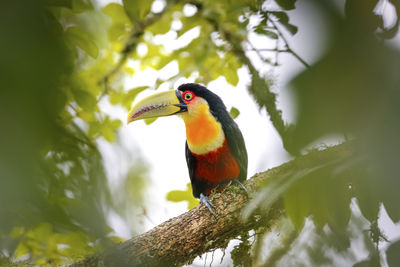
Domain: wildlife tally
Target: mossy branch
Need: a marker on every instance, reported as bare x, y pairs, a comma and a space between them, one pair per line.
181, 239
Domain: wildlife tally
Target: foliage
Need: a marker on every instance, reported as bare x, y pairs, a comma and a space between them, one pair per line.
350, 91
63, 58
183, 195
54, 194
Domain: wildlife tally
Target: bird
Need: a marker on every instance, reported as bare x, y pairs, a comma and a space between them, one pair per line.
215, 150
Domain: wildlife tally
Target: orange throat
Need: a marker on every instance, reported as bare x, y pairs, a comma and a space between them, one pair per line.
203, 132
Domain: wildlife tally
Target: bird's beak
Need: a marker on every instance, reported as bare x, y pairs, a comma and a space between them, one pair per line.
161, 104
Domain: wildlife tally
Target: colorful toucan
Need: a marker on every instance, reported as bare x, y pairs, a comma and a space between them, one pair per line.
215, 150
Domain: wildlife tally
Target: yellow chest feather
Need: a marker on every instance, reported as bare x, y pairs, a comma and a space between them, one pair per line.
203, 132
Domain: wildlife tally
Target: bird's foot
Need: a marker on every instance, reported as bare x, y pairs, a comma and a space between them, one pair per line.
241, 186
208, 204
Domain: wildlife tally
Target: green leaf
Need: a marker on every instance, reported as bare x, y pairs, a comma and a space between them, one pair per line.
291, 28
163, 25
231, 76
286, 4
84, 99
149, 121
59, 3
260, 29
234, 112
78, 37
115, 97
108, 128
80, 6
393, 254
131, 95
322, 194
367, 189
94, 129
271, 34
116, 124
390, 201
189, 23
297, 202
116, 31
125, 98
137, 9
21, 250
280, 15
283, 19
183, 195
17, 231
117, 13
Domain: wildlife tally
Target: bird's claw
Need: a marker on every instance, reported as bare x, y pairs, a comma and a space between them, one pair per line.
241, 186
204, 199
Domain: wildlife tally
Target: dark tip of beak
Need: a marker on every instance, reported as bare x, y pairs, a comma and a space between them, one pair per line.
182, 105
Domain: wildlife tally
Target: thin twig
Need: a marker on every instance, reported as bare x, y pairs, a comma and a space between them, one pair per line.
288, 48
269, 50
257, 51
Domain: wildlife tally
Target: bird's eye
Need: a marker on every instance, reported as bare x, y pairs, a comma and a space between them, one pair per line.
188, 96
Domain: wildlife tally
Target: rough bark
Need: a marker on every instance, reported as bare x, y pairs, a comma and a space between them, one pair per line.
181, 239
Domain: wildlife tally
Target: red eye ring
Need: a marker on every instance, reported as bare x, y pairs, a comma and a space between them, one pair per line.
187, 96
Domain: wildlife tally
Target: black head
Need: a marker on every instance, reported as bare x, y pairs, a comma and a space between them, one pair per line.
214, 101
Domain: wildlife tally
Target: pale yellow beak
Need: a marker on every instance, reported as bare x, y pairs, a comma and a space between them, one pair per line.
161, 104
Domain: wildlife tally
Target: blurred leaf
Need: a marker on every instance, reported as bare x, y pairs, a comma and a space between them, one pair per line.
361, 14
231, 76
84, 99
78, 37
393, 254
116, 31
286, 4
189, 23
283, 19
185, 195
48, 246
291, 28
274, 189
21, 250
261, 29
367, 189
125, 98
281, 16
322, 195
131, 95
234, 112
52, 173
81, 5
17, 232
269, 33
137, 9
162, 26
390, 201
117, 13
149, 121
59, 3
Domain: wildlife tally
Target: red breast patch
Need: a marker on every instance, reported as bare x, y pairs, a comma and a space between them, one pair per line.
217, 166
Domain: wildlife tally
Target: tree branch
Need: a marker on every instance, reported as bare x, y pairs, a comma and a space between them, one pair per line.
179, 240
